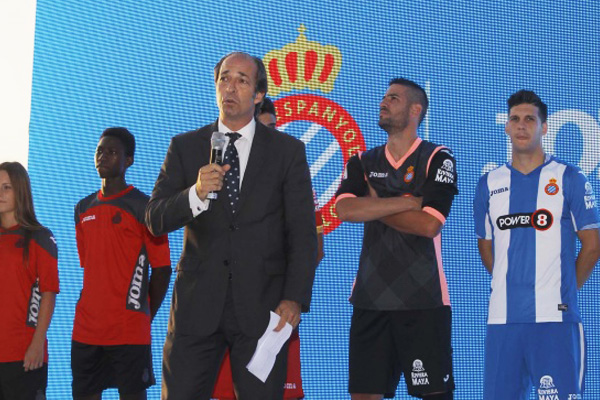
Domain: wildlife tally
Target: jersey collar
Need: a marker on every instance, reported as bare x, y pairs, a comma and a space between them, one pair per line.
399, 163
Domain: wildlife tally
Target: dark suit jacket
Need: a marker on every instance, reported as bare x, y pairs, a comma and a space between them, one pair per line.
269, 247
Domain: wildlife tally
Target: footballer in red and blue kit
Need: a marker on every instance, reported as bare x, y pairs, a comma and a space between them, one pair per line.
534, 334
111, 331
115, 250
111, 344
21, 287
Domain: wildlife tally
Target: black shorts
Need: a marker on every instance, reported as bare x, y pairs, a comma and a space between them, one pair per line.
125, 367
16, 384
386, 344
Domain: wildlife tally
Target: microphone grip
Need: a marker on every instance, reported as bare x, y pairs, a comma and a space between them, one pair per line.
216, 157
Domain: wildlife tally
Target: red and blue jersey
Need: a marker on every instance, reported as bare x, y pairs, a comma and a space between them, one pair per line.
532, 220
115, 251
21, 287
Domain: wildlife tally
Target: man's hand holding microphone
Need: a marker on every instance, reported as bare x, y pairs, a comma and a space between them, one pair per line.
210, 176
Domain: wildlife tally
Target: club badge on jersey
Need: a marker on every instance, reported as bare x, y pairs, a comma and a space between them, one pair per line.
551, 188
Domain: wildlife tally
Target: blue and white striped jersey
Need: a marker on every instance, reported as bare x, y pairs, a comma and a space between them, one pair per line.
532, 220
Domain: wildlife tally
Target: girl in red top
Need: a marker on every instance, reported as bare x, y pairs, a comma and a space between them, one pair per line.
28, 288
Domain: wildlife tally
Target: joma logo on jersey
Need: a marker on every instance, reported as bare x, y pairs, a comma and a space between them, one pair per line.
34, 305
373, 174
88, 218
138, 288
498, 191
540, 219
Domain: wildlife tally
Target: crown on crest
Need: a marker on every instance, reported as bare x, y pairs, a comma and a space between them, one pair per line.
302, 64
552, 180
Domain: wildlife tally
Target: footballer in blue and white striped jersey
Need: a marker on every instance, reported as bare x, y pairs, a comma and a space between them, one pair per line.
533, 219
528, 215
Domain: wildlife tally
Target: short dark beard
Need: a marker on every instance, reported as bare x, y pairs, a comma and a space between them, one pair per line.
389, 127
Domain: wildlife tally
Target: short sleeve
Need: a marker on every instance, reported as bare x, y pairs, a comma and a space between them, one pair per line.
440, 186
353, 180
158, 250
79, 236
581, 199
481, 206
46, 260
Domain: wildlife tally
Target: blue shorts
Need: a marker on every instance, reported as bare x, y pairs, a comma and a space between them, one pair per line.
550, 356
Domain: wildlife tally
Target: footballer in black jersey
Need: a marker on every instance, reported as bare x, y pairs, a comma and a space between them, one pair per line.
403, 192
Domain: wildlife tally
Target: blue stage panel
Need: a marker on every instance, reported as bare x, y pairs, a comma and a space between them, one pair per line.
149, 66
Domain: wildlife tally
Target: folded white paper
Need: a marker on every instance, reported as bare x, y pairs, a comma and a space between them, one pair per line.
268, 347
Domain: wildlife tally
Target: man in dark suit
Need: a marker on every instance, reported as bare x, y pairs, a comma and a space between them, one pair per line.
252, 251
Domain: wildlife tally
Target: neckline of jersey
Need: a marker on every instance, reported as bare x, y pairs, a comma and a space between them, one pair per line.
10, 229
123, 192
548, 159
398, 164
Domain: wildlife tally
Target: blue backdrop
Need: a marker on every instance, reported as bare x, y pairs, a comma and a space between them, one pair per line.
148, 66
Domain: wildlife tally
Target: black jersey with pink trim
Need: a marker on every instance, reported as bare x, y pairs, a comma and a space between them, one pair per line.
401, 271
115, 251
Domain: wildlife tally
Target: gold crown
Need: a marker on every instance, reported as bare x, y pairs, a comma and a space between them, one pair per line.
552, 180
302, 64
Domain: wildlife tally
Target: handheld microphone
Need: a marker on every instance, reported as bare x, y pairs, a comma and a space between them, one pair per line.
217, 150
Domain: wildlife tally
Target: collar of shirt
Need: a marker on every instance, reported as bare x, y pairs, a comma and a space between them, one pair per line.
547, 158
243, 144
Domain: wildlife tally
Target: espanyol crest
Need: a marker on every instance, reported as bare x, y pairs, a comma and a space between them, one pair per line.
329, 132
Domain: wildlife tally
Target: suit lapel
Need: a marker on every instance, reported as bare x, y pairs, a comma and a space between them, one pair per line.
205, 134
258, 154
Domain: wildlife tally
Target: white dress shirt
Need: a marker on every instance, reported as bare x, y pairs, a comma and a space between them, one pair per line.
243, 146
